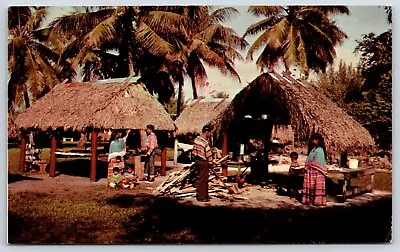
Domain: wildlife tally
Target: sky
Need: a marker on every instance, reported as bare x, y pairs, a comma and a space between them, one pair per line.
362, 20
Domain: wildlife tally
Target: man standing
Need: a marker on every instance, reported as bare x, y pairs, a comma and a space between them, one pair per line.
151, 145
203, 160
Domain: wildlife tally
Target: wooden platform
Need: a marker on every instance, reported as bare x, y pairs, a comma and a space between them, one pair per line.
344, 178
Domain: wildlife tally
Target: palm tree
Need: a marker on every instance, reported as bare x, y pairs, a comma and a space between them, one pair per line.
197, 36
299, 35
31, 62
91, 32
214, 44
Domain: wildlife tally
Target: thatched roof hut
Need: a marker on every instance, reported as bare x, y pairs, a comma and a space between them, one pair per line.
107, 104
198, 113
287, 101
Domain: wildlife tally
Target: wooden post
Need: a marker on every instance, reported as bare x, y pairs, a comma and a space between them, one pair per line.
163, 161
139, 168
224, 153
176, 151
93, 157
266, 151
53, 154
143, 137
22, 152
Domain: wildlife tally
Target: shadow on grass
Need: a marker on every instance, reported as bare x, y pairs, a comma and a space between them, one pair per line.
169, 221
17, 177
81, 168
166, 220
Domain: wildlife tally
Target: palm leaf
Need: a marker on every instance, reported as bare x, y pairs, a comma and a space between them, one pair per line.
18, 16
222, 15
163, 22
102, 33
79, 23
229, 51
35, 20
220, 34
151, 41
261, 25
265, 10
290, 47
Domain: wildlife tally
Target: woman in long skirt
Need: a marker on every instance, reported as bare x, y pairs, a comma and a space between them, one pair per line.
315, 171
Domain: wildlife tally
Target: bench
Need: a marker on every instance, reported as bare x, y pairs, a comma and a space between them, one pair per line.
344, 177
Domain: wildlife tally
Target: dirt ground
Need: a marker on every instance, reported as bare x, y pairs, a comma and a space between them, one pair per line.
71, 209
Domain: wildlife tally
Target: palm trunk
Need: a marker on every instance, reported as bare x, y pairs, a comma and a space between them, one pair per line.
26, 99
130, 61
193, 79
179, 102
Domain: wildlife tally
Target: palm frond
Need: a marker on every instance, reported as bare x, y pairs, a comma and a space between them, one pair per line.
334, 9
196, 68
163, 22
321, 33
229, 51
232, 71
302, 54
102, 33
18, 16
266, 10
273, 38
220, 34
151, 41
262, 25
35, 20
79, 23
290, 47
260, 41
208, 55
223, 14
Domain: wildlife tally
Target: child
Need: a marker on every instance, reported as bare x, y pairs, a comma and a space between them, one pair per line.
293, 169
115, 178
128, 179
295, 173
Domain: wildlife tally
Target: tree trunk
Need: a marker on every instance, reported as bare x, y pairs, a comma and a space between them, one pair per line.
130, 61
179, 102
26, 99
194, 88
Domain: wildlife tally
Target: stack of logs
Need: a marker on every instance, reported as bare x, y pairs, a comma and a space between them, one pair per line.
182, 184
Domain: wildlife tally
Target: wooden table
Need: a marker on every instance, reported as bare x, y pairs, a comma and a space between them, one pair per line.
344, 178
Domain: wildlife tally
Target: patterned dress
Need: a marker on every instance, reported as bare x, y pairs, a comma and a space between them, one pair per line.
314, 180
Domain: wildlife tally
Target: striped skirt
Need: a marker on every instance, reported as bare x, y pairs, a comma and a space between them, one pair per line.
113, 163
313, 188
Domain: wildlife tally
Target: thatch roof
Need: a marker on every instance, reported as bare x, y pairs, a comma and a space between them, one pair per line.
291, 102
284, 133
198, 113
101, 104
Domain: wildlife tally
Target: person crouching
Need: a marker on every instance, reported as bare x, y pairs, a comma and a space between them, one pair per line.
115, 178
128, 179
